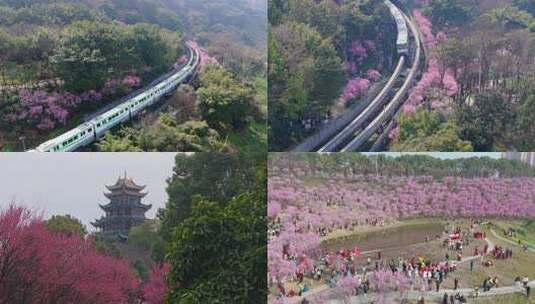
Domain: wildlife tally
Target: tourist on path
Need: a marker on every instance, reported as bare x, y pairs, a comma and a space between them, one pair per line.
471, 265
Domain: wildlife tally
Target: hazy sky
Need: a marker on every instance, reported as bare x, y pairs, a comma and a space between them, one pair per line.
73, 183
447, 155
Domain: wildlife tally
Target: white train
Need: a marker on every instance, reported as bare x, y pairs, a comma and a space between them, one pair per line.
402, 42
95, 128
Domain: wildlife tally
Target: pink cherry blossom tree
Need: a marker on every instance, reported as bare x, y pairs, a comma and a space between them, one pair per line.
38, 266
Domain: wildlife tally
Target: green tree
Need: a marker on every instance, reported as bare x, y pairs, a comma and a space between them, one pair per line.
167, 135
525, 124
145, 235
485, 121
155, 48
90, 52
305, 76
66, 224
223, 102
106, 246
163, 135
141, 269
118, 143
215, 176
218, 254
451, 12
85, 53
428, 131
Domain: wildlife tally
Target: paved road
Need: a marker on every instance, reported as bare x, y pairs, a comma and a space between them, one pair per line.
436, 296
394, 297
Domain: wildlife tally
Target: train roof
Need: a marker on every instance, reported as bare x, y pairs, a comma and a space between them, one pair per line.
63, 136
403, 33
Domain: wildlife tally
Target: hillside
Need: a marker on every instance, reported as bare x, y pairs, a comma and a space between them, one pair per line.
477, 90
233, 30
60, 61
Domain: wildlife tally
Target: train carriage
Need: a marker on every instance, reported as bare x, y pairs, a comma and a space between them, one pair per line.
402, 42
110, 119
70, 141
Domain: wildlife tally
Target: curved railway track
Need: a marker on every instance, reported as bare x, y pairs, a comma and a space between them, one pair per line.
394, 105
126, 109
359, 121
358, 130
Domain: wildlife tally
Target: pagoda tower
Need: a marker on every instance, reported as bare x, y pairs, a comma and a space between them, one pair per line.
125, 208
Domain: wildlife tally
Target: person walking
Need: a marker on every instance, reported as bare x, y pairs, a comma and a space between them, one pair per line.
471, 265
455, 283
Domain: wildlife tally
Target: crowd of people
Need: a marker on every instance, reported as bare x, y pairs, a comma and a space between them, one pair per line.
331, 268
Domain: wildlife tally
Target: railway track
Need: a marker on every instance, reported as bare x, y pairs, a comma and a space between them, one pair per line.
389, 112
359, 121
382, 109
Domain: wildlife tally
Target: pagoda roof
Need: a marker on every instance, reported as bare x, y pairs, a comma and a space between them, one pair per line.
99, 223
125, 183
139, 205
123, 191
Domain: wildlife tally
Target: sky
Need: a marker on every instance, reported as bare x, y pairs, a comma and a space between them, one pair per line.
445, 155
73, 183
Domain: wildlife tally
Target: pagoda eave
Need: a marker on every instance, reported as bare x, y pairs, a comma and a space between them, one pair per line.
112, 194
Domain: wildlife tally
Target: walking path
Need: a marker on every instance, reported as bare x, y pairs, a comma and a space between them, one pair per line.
507, 240
429, 295
434, 296
393, 297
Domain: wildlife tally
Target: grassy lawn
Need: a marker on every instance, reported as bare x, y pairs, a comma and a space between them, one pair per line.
525, 231
521, 264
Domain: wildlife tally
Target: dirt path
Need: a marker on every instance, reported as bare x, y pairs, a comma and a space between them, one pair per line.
507, 240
